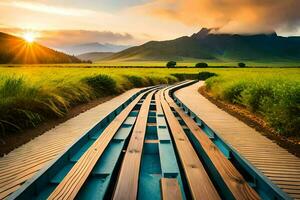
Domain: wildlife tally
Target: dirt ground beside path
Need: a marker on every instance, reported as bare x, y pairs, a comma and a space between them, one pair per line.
11, 141
255, 121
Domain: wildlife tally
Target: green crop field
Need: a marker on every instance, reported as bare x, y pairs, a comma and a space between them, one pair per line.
31, 95
187, 62
191, 63
275, 94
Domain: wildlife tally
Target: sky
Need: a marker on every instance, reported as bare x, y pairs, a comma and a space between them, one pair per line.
58, 23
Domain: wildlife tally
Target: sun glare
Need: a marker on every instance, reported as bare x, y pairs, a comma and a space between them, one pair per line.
29, 37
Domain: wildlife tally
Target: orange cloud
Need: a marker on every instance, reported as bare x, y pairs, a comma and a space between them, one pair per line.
60, 38
44, 8
239, 16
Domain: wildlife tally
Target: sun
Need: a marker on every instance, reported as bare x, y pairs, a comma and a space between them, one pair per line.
29, 37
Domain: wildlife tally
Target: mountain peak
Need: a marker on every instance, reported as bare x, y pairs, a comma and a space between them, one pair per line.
204, 32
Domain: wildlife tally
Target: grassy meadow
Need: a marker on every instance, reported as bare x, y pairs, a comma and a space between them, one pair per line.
30, 95
187, 62
275, 94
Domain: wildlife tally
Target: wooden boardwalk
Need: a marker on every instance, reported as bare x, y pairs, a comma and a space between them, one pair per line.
275, 162
19, 165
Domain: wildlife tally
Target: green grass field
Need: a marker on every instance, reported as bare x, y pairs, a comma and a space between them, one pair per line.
30, 95
192, 62
275, 94
188, 62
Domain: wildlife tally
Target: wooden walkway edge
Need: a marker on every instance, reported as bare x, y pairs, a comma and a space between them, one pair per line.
22, 163
276, 163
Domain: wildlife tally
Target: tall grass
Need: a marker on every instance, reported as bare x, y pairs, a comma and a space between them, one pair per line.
26, 101
276, 97
23, 104
31, 95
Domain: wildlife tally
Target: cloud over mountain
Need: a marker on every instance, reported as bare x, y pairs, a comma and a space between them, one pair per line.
246, 16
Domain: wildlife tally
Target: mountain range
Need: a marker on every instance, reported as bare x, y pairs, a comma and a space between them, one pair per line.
208, 45
16, 50
95, 56
91, 47
205, 45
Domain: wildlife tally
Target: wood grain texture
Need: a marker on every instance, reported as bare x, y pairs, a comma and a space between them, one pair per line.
20, 165
263, 153
230, 175
127, 184
170, 189
199, 183
73, 181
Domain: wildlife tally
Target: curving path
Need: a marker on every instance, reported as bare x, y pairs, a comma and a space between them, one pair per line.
19, 165
275, 162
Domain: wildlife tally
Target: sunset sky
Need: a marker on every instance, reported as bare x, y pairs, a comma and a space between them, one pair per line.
58, 23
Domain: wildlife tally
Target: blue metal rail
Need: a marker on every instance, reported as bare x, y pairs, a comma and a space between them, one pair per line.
46, 180
159, 159
259, 182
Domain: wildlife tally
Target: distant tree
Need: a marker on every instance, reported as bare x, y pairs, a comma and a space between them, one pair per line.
171, 64
242, 64
201, 65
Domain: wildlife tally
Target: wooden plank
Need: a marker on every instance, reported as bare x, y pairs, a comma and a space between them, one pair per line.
76, 177
27, 166
152, 141
8, 187
19, 178
199, 183
242, 137
51, 142
274, 162
9, 191
230, 175
127, 184
292, 187
27, 156
170, 189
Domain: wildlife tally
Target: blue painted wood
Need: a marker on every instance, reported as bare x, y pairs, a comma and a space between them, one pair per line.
97, 184
150, 174
168, 159
45, 181
259, 182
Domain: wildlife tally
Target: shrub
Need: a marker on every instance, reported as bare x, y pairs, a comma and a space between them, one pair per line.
137, 81
156, 80
171, 64
282, 108
185, 76
255, 93
201, 65
102, 84
206, 75
241, 64
171, 79
233, 92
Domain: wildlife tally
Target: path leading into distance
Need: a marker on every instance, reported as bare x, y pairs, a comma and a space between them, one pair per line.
160, 142
47, 146
276, 163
